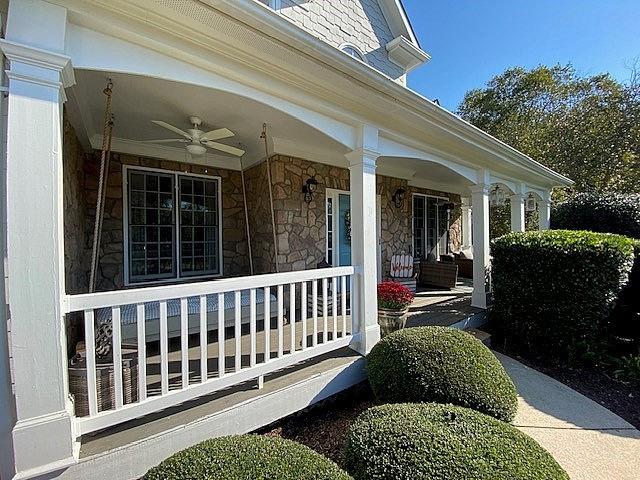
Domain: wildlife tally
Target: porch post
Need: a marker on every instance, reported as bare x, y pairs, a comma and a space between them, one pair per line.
480, 200
466, 223
544, 211
43, 439
517, 210
362, 167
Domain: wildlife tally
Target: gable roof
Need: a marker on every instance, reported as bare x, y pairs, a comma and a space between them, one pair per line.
398, 20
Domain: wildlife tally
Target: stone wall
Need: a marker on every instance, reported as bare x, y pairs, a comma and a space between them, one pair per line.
111, 265
76, 257
301, 227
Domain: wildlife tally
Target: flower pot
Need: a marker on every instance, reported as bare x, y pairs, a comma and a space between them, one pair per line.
391, 320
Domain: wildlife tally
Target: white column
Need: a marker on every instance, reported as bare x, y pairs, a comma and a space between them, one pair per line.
362, 167
544, 211
480, 201
517, 211
466, 223
43, 439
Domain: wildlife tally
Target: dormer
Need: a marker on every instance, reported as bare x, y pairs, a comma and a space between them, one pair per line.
375, 32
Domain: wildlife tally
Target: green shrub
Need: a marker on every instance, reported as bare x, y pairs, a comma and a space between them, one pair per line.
246, 457
442, 442
554, 291
443, 365
626, 315
605, 212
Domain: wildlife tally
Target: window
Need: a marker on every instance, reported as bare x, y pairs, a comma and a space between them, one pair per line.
168, 239
353, 52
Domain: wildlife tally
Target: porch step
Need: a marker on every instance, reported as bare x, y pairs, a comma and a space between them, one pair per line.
128, 450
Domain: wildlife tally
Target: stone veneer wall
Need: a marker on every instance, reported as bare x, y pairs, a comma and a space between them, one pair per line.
76, 258
301, 229
111, 265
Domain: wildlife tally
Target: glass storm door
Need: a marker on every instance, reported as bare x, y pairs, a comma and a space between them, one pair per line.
344, 230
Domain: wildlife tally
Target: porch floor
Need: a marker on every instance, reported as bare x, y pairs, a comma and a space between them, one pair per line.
448, 308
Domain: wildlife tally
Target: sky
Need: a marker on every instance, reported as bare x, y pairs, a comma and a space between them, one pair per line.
470, 41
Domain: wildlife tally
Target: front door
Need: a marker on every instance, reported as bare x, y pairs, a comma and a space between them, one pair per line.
339, 229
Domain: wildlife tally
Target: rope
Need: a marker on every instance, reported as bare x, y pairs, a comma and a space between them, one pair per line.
104, 173
246, 216
273, 216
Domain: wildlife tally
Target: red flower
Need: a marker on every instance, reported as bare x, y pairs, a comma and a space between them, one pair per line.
394, 296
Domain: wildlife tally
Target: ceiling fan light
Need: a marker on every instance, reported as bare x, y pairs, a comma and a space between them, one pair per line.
195, 149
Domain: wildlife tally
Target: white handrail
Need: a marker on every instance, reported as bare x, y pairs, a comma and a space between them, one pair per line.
89, 301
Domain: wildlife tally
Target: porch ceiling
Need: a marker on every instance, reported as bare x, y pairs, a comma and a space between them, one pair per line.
424, 173
137, 100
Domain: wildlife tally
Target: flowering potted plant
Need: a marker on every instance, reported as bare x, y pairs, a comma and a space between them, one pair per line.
393, 304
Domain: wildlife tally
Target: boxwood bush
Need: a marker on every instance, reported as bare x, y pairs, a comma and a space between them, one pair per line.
246, 457
438, 364
553, 291
599, 212
442, 442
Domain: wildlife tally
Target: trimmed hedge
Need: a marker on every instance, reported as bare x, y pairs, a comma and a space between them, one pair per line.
553, 291
605, 212
245, 457
442, 442
443, 365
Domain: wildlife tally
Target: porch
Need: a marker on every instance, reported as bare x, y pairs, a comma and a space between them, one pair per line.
209, 277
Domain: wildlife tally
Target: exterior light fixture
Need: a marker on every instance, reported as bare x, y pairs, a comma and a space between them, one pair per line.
398, 197
497, 197
531, 203
309, 188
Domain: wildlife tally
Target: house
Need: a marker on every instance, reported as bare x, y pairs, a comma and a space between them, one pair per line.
295, 145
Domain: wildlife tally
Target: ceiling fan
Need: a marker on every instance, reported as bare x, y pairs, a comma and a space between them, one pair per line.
197, 139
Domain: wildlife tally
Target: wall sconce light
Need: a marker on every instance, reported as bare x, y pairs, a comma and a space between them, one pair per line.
398, 197
309, 188
497, 197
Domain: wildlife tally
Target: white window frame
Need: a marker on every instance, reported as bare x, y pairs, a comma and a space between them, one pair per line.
413, 235
362, 58
275, 4
125, 226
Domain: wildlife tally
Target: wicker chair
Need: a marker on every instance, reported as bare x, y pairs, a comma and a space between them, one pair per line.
465, 266
402, 271
438, 274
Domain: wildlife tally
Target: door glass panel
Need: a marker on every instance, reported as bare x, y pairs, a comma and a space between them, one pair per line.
344, 229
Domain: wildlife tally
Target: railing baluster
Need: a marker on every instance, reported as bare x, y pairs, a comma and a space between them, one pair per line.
90, 345
325, 313
280, 320
252, 327
343, 298
238, 331
303, 313
222, 364
164, 349
292, 315
267, 323
204, 357
117, 356
184, 341
314, 311
334, 305
142, 353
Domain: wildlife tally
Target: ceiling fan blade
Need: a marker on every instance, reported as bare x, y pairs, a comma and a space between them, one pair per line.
225, 148
172, 128
218, 134
167, 140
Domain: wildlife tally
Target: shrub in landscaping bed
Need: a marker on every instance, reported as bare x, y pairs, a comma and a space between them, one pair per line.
442, 442
438, 364
553, 291
245, 457
599, 212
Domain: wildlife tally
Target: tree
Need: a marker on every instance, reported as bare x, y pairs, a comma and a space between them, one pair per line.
585, 128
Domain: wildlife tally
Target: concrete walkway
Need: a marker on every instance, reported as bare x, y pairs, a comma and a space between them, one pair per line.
589, 441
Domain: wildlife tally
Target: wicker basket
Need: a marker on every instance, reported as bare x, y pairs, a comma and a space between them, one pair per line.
105, 384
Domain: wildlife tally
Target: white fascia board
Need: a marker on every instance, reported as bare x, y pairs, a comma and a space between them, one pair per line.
405, 54
396, 16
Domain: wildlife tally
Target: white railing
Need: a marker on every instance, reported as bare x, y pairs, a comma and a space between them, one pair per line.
256, 335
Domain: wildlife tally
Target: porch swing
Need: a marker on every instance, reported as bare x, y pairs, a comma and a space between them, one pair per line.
128, 313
